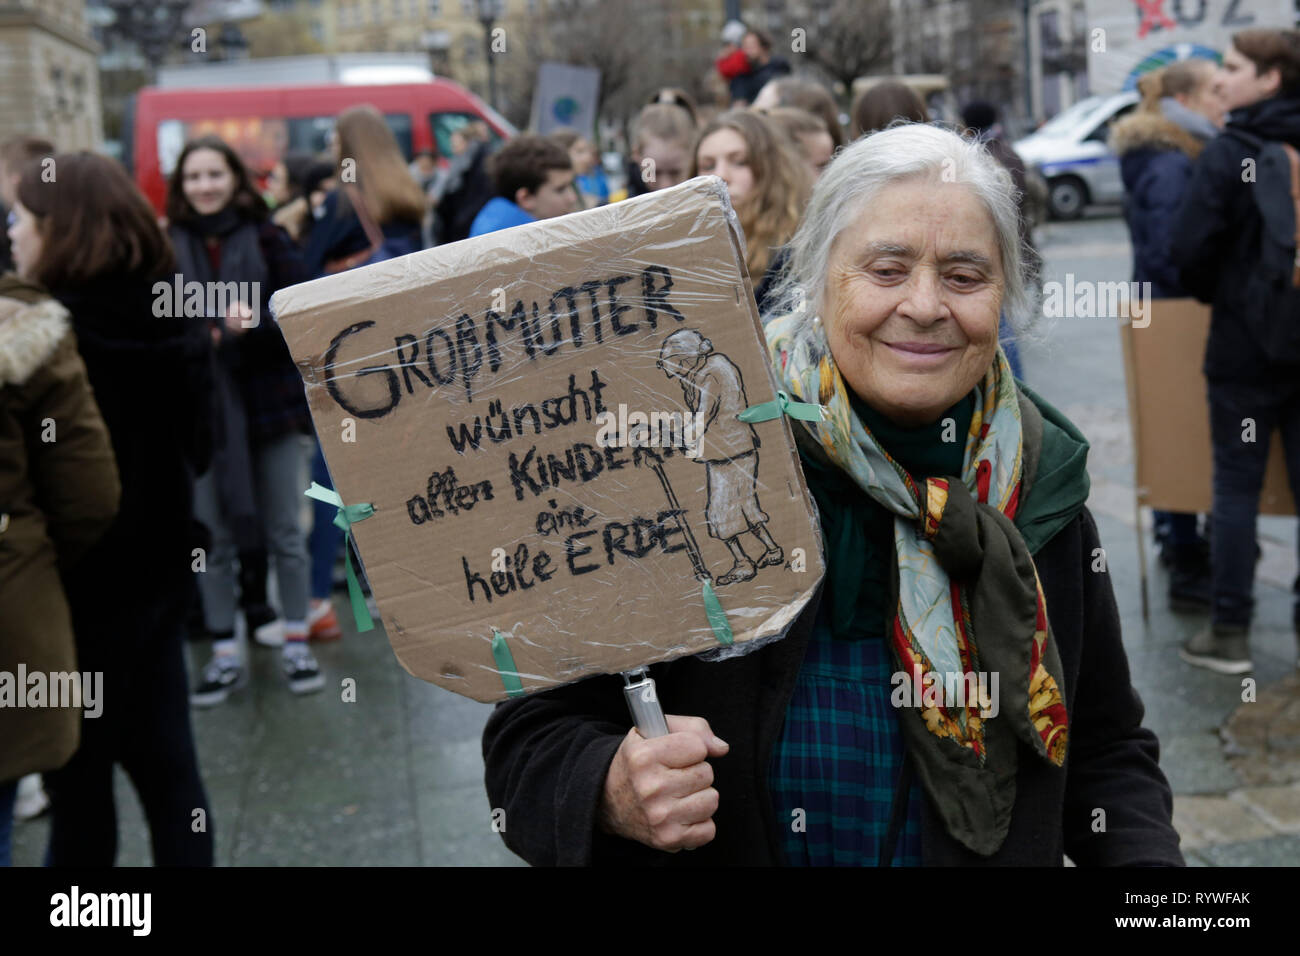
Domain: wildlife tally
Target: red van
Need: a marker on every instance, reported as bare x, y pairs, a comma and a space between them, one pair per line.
263, 123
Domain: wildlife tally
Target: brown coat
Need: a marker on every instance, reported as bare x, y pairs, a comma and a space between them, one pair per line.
57, 497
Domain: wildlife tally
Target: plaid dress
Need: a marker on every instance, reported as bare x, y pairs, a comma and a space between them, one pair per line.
839, 758
841, 751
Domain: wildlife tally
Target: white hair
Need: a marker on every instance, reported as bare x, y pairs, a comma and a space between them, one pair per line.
861, 170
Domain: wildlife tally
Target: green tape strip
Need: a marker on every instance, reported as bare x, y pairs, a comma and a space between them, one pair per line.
717, 616
343, 520
506, 665
783, 404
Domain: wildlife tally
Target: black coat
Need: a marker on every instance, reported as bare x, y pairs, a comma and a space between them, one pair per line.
152, 380
269, 382
547, 755
1154, 180
1216, 241
748, 85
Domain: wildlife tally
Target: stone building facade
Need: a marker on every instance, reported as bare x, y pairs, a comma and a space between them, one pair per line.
49, 75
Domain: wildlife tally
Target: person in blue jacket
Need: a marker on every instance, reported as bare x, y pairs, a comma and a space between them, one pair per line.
534, 180
1157, 144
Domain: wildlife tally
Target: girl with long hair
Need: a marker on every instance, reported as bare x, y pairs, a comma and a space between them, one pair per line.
768, 183
376, 211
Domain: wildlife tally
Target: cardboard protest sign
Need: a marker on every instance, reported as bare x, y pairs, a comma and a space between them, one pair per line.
1170, 413
544, 421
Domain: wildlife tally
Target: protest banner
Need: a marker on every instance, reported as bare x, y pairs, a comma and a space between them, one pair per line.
1170, 414
544, 423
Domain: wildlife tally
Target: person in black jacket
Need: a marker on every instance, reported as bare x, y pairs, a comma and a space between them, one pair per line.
1215, 243
811, 750
757, 47
227, 247
104, 258
1156, 144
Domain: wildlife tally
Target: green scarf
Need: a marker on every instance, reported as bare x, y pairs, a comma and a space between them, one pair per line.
967, 600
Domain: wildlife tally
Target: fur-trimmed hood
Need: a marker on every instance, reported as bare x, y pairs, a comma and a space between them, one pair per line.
31, 327
1147, 130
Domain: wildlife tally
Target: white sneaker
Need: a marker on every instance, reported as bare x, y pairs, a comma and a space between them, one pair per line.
31, 800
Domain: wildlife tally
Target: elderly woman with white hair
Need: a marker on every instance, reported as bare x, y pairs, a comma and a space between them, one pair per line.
960, 556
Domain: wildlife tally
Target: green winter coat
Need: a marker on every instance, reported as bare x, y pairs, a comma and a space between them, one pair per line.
59, 493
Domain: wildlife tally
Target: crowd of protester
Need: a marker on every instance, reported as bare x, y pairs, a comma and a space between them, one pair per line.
192, 437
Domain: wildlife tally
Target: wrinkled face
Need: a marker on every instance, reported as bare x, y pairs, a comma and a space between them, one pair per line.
670, 162
1239, 85
555, 197
25, 240
723, 153
207, 181
912, 299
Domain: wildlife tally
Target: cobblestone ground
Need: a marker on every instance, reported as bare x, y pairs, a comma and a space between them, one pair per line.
397, 777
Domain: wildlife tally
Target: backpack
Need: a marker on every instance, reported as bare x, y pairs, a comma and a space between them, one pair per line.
1272, 289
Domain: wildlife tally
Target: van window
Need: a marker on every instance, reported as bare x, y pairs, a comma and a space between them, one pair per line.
442, 125
261, 141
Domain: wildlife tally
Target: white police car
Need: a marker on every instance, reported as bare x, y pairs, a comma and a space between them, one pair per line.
1071, 153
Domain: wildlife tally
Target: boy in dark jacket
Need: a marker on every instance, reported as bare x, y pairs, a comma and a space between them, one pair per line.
1253, 387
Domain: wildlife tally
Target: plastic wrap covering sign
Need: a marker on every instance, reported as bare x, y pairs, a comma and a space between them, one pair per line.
545, 422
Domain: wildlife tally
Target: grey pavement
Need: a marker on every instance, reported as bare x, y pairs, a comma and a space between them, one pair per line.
396, 777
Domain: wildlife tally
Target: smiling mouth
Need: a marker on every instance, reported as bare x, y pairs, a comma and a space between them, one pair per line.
919, 348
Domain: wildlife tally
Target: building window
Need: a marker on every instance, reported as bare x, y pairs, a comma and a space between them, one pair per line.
376, 12
435, 8
1050, 38
467, 7
533, 6
469, 46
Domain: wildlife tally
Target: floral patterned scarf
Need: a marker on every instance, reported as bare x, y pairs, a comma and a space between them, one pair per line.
969, 602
